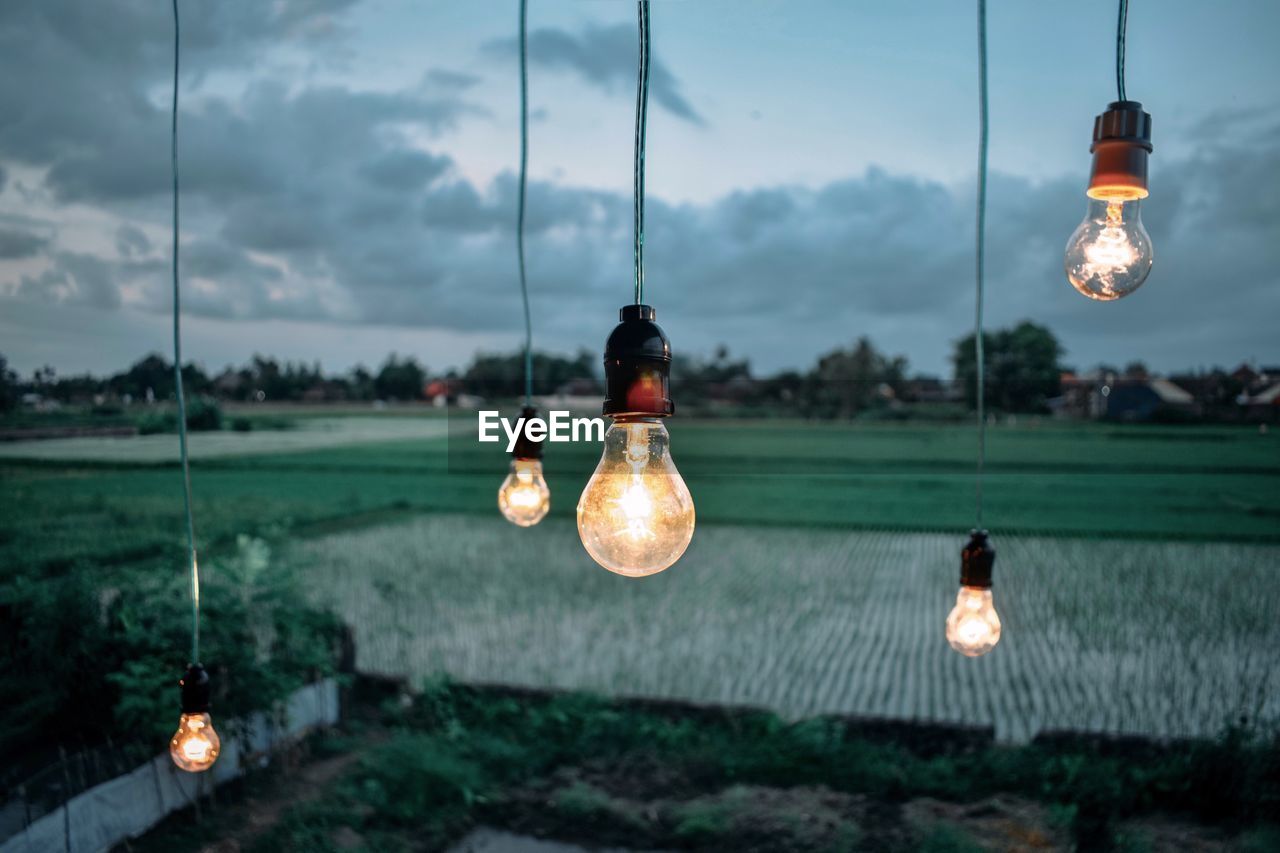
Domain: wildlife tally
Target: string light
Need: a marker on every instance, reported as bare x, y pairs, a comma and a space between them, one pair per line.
1110, 255
973, 626
524, 498
636, 516
194, 747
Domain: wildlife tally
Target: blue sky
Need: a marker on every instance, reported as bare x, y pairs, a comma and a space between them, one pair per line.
349, 177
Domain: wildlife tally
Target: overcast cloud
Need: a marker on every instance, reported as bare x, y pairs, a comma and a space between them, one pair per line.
337, 205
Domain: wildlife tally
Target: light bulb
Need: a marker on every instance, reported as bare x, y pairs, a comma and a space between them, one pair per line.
524, 497
194, 746
1109, 255
973, 626
636, 515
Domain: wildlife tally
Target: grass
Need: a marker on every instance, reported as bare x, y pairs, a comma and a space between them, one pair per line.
578, 767
1189, 483
1112, 612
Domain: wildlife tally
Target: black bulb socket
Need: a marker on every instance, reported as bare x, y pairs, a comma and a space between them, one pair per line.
637, 367
525, 447
977, 559
195, 690
1121, 145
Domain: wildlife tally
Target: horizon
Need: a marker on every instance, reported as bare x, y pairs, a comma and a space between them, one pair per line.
911, 373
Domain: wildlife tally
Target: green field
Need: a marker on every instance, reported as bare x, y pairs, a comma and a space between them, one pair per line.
1205, 484
1137, 576
1155, 638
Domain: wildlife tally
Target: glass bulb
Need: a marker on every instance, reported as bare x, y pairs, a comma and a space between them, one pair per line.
635, 515
973, 627
1109, 255
194, 746
524, 497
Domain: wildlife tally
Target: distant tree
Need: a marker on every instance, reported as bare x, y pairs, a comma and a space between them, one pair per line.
846, 382
786, 387
360, 384
400, 379
502, 375
1136, 370
699, 379
10, 387
1022, 367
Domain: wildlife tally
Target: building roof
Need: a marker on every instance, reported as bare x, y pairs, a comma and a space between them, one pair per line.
1170, 393
1269, 397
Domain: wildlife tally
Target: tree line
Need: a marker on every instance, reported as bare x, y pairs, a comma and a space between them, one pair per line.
1023, 369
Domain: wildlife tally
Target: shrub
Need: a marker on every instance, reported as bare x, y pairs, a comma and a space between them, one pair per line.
96, 654
203, 415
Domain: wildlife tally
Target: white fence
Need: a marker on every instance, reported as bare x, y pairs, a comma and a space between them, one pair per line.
129, 805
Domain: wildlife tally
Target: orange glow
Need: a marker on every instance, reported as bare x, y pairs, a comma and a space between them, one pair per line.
195, 745
524, 498
1117, 192
973, 627
636, 515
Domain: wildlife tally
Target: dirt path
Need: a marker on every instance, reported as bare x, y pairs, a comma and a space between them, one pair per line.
260, 814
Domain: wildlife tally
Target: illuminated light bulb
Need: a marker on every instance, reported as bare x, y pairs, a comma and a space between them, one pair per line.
1109, 255
636, 515
195, 745
973, 626
524, 497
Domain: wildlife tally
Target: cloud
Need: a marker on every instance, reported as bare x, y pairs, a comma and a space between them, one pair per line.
445, 78
94, 62
394, 236
336, 205
15, 244
604, 57
131, 241
74, 278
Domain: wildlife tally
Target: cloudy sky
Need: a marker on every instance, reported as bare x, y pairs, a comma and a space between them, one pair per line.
349, 185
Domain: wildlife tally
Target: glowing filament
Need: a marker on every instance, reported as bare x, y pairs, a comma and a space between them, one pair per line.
195, 745
635, 515
523, 497
973, 626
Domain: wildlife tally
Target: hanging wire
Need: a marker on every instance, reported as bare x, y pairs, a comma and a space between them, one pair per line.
177, 361
524, 168
1122, 24
642, 116
980, 255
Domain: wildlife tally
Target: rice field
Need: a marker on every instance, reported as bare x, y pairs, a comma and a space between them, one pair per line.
309, 434
1120, 636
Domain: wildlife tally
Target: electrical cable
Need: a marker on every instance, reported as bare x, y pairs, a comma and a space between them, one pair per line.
642, 115
980, 257
524, 169
177, 361
1122, 24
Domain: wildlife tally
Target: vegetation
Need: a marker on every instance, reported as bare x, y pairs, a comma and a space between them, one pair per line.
807, 622
1201, 483
114, 640
578, 767
1023, 368
92, 602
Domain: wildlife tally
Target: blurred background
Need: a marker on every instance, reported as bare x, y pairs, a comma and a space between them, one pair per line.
402, 668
